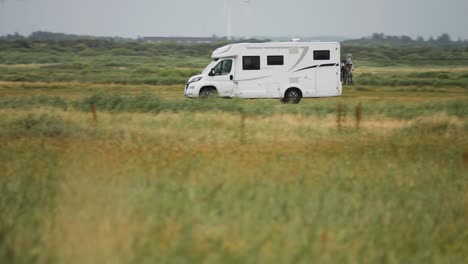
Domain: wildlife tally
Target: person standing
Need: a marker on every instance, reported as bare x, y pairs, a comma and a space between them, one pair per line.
350, 65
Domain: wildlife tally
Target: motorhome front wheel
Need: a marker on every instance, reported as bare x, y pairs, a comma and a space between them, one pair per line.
208, 92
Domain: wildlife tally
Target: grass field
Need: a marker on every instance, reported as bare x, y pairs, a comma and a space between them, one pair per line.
157, 178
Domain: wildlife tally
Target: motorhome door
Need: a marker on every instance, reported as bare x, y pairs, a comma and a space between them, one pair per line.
222, 76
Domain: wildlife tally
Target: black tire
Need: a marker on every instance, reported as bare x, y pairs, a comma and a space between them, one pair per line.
292, 96
208, 92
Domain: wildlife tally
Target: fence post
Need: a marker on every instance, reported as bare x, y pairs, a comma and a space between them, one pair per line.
358, 115
242, 126
340, 116
93, 112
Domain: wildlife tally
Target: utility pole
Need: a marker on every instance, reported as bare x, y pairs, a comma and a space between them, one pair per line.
227, 15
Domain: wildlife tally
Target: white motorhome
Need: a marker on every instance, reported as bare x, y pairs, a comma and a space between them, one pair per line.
289, 71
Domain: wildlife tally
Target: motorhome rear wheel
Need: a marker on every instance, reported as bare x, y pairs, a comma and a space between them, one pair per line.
292, 96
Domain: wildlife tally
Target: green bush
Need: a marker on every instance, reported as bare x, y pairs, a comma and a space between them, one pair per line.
118, 103
41, 125
28, 102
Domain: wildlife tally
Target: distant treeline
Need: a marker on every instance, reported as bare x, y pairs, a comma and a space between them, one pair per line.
45, 36
379, 39
382, 50
376, 39
51, 36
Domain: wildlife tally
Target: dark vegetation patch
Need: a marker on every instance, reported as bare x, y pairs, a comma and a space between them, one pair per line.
44, 125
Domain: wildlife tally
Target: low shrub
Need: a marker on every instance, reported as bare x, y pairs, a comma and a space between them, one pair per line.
26, 102
41, 125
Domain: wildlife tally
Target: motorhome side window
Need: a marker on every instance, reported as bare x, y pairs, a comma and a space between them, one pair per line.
321, 55
223, 68
275, 60
251, 63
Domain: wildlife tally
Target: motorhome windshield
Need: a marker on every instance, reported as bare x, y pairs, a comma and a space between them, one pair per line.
210, 66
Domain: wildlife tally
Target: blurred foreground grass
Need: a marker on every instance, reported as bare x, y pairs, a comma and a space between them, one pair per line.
199, 183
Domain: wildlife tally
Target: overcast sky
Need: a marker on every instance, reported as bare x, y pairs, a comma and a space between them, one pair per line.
132, 18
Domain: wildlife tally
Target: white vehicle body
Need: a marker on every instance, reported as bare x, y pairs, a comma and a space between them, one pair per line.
270, 70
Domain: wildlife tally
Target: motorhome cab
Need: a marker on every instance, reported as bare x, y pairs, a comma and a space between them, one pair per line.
288, 71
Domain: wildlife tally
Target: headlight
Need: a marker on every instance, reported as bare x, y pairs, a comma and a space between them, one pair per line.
195, 79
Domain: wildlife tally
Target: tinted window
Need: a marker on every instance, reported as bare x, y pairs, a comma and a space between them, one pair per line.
321, 55
251, 62
227, 66
275, 60
223, 68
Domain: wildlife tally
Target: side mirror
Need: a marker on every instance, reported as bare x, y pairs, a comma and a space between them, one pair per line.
212, 72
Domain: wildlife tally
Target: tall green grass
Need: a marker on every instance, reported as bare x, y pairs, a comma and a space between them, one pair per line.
134, 188
28, 189
418, 79
151, 103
